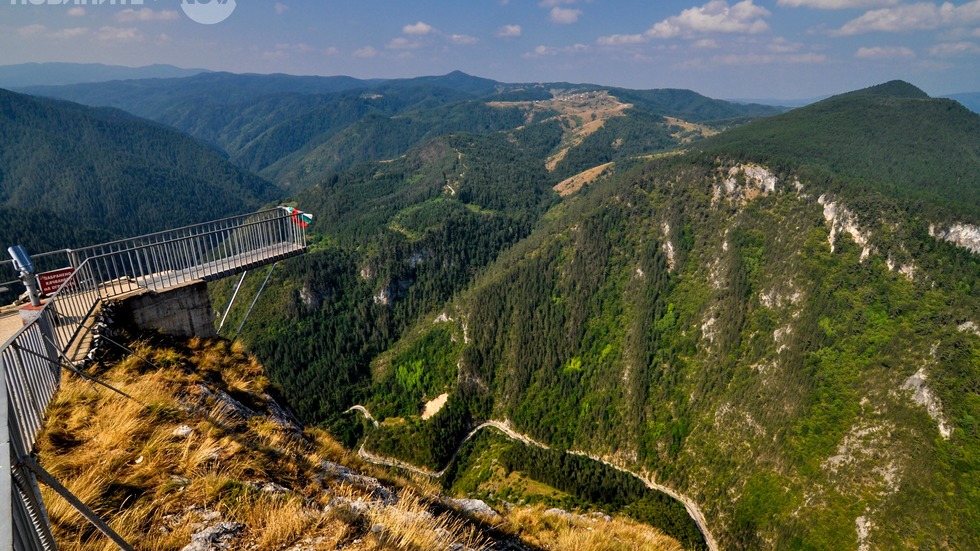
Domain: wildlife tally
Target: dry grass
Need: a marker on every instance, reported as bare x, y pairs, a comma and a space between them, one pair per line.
157, 488
123, 458
569, 186
410, 525
577, 533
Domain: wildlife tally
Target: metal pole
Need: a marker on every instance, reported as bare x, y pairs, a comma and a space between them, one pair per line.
230, 303
89, 514
254, 300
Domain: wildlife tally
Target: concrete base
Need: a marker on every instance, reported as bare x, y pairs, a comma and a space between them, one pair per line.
183, 311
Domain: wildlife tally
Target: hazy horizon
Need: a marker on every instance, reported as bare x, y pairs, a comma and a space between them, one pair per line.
780, 49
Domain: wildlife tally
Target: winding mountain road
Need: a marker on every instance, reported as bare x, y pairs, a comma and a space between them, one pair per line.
367, 414
504, 426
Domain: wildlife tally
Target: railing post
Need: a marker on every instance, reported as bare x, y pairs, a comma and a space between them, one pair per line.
6, 488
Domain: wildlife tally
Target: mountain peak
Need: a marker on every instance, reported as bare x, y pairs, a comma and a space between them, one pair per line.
891, 89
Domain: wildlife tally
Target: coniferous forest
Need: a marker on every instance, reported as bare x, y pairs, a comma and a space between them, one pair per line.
774, 314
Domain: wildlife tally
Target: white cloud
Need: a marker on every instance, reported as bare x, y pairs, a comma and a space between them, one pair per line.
620, 39
783, 46
767, 59
68, 34
540, 51
952, 49
913, 17
280, 8
402, 43
365, 52
418, 28
35, 30
31, 30
273, 54
552, 3
714, 17
884, 52
77, 11
509, 31
835, 4
130, 15
705, 44
119, 34
330, 51
462, 39
564, 16
286, 49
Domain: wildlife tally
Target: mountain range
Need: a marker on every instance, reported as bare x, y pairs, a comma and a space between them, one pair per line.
771, 315
780, 323
55, 74
294, 130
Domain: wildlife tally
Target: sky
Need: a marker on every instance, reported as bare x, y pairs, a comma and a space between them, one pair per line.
772, 49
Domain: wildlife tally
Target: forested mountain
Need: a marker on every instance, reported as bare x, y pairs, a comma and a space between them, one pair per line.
781, 324
296, 131
110, 173
891, 138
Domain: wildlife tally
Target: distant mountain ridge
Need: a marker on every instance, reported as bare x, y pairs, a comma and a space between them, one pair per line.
297, 130
56, 74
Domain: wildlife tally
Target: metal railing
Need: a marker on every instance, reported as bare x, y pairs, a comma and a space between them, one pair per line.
32, 359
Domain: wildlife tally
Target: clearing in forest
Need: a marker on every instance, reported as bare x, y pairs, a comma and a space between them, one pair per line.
580, 113
569, 186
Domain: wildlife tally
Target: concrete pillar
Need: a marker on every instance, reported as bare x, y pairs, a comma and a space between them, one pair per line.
183, 311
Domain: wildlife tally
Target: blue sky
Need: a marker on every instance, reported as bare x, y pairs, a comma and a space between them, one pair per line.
722, 48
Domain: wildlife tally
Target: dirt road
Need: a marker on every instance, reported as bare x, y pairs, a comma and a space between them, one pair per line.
504, 426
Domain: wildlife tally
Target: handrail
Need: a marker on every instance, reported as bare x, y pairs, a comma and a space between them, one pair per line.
31, 360
175, 230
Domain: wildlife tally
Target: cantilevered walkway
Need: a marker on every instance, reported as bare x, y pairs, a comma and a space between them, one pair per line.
33, 357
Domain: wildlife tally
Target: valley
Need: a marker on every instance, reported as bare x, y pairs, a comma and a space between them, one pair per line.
740, 326
505, 428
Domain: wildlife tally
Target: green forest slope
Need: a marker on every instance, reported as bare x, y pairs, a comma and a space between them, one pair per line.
890, 139
785, 340
110, 172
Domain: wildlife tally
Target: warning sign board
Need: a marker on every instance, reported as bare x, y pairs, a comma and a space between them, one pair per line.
51, 281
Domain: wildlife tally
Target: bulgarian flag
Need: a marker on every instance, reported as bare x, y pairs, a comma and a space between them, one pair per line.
300, 218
